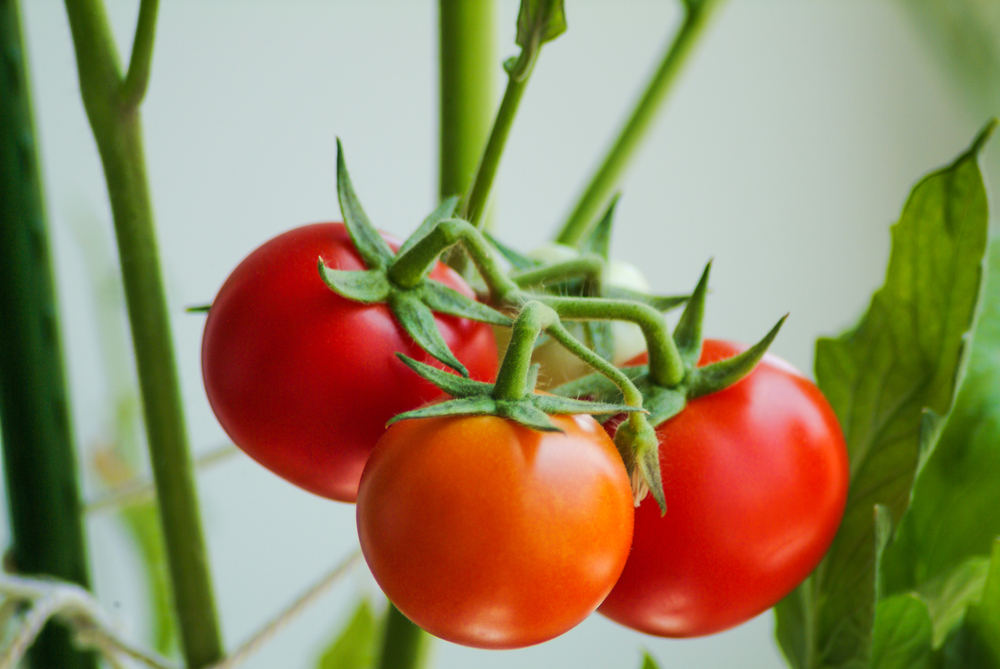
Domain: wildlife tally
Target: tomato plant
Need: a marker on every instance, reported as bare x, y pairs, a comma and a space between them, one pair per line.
490, 534
304, 380
755, 478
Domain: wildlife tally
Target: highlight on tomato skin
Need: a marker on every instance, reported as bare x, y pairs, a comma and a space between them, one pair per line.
756, 480
304, 380
489, 534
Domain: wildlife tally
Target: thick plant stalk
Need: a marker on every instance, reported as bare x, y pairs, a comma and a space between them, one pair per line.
39, 459
468, 65
112, 104
468, 62
602, 184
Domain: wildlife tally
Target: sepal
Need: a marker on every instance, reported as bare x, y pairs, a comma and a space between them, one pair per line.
555, 406
465, 406
444, 211
456, 386
476, 398
687, 334
418, 321
373, 249
365, 286
659, 302
712, 378
640, 450
516, 259
445, 300
526, 414
598, 241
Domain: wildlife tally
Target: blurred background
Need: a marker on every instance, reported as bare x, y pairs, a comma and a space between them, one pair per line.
786, 150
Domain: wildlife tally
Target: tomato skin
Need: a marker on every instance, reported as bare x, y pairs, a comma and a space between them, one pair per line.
491, 535
304, 380
756, 480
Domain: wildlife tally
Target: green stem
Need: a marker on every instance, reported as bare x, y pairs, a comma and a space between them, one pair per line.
111, 101
512, 382
467, 60
631, 394
665, 365
590, 267
39, 459
408, 269
475, 204
601, 185
404, 645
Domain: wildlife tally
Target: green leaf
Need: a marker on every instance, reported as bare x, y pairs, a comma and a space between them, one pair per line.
143, 522
648, 661
539, 21
418, 321
902, 357
949, 595
444, 300
444, 211
977, 643
599, 239
371, 247
953, 514
902, 634
356, 646
365, 286
965, 35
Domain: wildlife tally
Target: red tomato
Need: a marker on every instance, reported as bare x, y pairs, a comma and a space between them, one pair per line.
305, 380
492, 535
755, 478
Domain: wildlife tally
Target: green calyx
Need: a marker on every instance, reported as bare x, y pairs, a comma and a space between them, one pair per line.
585, 277
637, 440
414, 301
513, 395
664, 401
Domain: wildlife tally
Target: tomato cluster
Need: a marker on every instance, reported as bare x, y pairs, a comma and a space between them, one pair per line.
486, 524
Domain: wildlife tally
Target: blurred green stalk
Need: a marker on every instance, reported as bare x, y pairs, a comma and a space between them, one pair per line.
39, 458
112, 102
602, 184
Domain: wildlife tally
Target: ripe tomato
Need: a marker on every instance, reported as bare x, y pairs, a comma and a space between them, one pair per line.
755, 478
305, 380
492, 535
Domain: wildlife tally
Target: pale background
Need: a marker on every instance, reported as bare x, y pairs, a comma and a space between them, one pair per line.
787, 149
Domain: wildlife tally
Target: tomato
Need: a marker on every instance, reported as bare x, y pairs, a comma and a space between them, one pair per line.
756, 479
305, 380
489, 534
